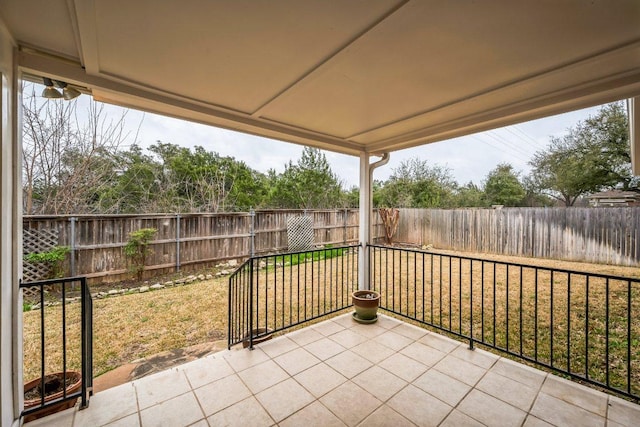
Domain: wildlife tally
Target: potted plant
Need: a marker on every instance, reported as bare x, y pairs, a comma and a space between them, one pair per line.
366, 304
54, 385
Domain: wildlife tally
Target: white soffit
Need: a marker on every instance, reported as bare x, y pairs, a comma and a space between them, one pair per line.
349, 76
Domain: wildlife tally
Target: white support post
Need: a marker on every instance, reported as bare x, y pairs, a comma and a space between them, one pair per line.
11, 384
365, 222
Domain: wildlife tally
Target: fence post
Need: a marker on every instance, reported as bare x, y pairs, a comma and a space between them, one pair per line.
252, 232
251, 328
72, 246
471, 304
177, 242
344, 227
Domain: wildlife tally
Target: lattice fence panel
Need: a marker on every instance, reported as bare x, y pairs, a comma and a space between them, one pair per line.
300, 233
36, 241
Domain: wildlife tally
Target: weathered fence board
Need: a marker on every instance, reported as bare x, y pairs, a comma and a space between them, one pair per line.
191, 241
188, 241
600, 235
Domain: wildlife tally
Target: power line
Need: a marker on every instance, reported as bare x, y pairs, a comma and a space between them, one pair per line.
509, 144
514, 154
510, 147
516, 130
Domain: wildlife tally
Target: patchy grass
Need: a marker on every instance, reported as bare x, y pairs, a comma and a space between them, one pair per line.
130, 327
142, 324
559, 319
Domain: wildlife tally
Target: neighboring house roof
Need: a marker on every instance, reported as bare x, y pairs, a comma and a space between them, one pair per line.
614, 198
615, 194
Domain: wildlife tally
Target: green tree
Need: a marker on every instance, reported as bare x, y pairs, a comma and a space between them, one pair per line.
415, 184
200, 180
470, 196
503, 187
593, 156
137, 186
352, 197
308, 184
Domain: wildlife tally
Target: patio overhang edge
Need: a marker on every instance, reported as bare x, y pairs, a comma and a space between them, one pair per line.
129, 95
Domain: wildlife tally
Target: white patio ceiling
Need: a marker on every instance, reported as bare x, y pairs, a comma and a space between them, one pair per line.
343, 75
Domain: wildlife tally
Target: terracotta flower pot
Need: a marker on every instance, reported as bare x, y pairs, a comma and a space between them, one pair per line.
366, 304
76, 384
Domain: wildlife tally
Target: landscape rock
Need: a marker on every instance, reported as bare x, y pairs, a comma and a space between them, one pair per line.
144, 289
208, 276
113, 292
157, 286
232, 263
169, 283
201, 277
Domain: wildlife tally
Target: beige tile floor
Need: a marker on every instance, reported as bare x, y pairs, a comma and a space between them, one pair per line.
338, 373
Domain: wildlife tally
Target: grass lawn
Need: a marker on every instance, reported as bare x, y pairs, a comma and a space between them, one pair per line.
132, 326
139, 325
558, 319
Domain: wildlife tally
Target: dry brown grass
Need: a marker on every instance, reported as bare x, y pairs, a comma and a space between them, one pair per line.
130, 326
139, 325
509, 316
295, 293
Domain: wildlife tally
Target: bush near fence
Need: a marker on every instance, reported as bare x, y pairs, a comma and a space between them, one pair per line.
194, 241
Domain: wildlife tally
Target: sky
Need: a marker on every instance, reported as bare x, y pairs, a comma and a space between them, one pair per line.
469, 158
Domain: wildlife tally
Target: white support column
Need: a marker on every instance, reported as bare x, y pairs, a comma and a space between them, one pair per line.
634, 133
10, 238
365, 222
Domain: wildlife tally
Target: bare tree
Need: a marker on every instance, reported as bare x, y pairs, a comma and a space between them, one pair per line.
69, 157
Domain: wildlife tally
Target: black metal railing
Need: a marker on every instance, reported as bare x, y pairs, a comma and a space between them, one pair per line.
273, 292
583, 325
58, 337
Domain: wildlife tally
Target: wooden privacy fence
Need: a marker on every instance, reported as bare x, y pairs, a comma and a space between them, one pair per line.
185, 241
600, 235
191, 241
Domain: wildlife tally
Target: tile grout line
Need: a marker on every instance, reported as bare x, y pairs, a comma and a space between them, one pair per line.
473, 387
135, 391
193, 391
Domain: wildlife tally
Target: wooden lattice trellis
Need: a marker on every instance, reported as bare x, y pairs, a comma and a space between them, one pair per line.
36, 241
300, 233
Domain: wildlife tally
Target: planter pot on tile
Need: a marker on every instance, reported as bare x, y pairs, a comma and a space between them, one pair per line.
259, 331
366, 304
74, 383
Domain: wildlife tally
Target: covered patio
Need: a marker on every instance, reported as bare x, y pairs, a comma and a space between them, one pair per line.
360, 78
339, 372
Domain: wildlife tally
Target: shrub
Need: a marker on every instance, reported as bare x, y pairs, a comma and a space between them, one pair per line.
137, 249
53, 259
